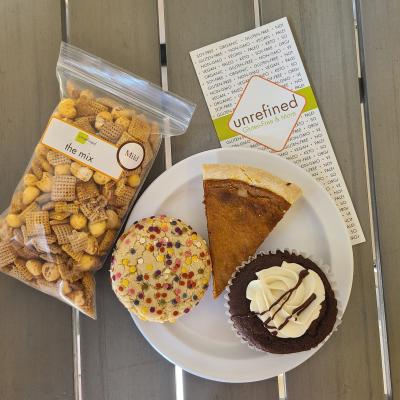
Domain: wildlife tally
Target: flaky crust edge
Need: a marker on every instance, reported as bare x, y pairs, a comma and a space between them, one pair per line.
254, 177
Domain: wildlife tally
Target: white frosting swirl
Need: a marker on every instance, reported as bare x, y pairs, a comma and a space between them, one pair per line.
271, 284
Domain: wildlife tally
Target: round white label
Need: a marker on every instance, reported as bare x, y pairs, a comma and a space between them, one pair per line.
130, 155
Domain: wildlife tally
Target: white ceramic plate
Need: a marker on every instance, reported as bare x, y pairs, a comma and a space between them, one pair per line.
202, 341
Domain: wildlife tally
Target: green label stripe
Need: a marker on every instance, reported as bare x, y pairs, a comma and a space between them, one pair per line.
308, 93
222, 128
81, 137
221, 123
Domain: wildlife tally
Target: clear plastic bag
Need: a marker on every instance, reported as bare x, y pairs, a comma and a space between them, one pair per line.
84, 176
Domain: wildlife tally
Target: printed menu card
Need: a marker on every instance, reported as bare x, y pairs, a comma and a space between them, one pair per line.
259, 96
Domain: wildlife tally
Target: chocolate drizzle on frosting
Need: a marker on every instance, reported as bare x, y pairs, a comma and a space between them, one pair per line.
285, 297
298, 310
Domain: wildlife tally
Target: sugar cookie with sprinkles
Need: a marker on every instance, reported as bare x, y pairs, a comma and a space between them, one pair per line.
160, 268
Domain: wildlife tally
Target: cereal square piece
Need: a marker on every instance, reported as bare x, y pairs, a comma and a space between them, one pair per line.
84, 123
73, 208
61, 206
86, 190
69, 274
97, 107
73, 254
25, 236
31, 208
125, 137
63, 188
51, 238
89, 288
88, 284
62, 231
91, 119
37, 223
111, 131
93, 208
20, 271
56, 158
64, 207
86, 107
78, 241
140, 128
124, 198
7, 254
120, 187
88, 209
155, 142
148, 155
107, 241
98, 215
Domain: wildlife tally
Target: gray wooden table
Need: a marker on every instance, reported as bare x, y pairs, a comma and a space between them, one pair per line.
48, 352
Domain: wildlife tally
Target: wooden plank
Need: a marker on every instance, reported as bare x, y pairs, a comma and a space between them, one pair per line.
190, 25
349, 366
380, 27
36, 340
116, 360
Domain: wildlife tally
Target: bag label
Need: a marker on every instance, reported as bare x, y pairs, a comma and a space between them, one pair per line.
91, 150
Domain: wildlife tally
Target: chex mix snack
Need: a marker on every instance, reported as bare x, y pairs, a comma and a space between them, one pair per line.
84, 175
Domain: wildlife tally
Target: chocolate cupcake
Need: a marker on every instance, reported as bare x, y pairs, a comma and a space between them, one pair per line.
281, 303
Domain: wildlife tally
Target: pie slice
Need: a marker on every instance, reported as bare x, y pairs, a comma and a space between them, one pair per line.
243, 204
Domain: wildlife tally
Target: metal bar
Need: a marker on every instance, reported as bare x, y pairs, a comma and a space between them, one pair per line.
179, 392
282, 388
387, 382
164, 72
65, 26
257, 13
76, 340
76, 333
